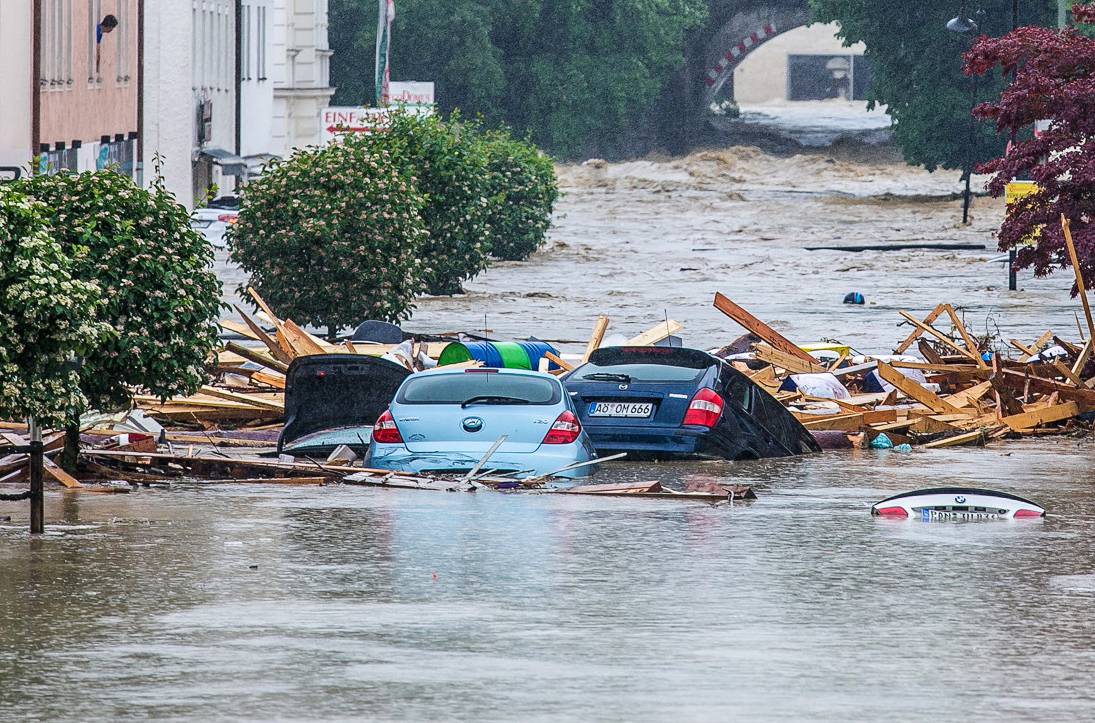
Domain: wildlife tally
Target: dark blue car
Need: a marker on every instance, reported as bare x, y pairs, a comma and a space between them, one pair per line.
664, 403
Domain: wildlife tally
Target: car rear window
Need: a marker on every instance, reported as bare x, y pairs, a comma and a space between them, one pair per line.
459, 388
645, 364
638, 373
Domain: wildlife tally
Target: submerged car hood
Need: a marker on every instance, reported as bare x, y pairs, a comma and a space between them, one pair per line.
328, 391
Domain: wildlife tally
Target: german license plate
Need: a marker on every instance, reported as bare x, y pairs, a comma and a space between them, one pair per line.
638, 410
947, 515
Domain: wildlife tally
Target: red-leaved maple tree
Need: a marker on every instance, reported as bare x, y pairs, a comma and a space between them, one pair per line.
1053, 81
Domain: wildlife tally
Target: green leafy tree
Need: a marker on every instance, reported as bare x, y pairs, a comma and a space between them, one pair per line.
160, 295
450, 165
331, 236
916, 73
46, 316
523, 190
584, 78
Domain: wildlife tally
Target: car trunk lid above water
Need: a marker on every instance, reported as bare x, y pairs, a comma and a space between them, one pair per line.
333, 399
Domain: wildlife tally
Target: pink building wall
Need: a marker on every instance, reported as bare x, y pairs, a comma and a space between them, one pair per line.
72, 106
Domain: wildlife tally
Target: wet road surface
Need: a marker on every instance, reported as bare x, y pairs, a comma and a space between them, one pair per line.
339, 602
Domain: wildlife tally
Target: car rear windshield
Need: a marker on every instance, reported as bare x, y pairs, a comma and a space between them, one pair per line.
490, 387
645, 364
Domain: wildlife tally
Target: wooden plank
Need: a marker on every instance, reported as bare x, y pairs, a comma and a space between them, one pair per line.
938, 335
1079, 276
303, 343
559, 361
1038, 345
1081, 360
59, 474
971, 345
967, 396
260, 334
257, 356
276, 381
932, 367
916, 332
928, 352
599, 329
1046, 415
791, 363
1067, 373
976, 437
249, 399
1019, 380
1026, 351
756, 326
237, 328
657, 333
912, 390
298, 481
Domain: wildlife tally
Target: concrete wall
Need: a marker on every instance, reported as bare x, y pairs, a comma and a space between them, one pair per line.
16, 31
79, 101
168, 96
762, 76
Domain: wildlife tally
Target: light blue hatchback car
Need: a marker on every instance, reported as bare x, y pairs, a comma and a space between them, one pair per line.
444, 421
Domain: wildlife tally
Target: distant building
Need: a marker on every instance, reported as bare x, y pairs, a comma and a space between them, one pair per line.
807, 63
201, 92
70, 71
302, 73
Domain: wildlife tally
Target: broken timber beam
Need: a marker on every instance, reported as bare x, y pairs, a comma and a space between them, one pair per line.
758, 327
596, 338
916, 332
913, 390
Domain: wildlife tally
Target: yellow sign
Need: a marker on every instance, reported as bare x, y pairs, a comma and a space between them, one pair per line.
1020, 189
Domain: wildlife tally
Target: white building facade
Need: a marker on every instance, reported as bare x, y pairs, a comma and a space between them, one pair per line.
302, 73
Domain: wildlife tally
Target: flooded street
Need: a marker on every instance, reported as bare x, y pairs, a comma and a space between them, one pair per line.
352, 603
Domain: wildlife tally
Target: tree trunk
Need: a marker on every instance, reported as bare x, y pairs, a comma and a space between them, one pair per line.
72, 445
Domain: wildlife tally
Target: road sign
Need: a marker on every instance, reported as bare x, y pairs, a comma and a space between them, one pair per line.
410, 92
337, 121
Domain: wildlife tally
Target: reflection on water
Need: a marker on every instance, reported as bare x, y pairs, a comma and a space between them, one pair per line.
350, 602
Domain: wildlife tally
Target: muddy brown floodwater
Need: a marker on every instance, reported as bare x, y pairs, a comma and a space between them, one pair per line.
348, 603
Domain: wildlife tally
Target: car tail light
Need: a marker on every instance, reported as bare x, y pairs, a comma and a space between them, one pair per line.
385, 431
565, 430
894, 512
228, 218
705, 409
1027, 514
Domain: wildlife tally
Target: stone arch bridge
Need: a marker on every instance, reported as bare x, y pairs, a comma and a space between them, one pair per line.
741, 27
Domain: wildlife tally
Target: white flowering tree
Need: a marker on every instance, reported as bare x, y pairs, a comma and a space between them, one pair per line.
46, 316
331, 236
161, 298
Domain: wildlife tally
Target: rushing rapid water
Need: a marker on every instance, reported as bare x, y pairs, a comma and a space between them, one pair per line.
337, 602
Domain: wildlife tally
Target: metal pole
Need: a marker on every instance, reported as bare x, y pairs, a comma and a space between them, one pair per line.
1062, 13
1013, 283
37, 500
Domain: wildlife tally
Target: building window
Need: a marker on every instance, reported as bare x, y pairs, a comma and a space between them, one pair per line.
122, 59
55, 53
262, 42
820, 77
245, 41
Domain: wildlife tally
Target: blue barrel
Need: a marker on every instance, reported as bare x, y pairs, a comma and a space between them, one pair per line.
481, 351
536, 351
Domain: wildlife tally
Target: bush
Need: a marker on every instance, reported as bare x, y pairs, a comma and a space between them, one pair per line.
450, 165
524, 191
46, 316
160, 296
331, 236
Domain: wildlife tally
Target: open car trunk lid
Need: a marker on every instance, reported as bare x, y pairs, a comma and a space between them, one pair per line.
336, 391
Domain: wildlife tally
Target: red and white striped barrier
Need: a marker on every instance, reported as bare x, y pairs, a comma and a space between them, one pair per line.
735, 53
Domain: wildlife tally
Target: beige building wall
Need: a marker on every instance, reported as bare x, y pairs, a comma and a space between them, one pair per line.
79, 101
762, 76
16, 71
